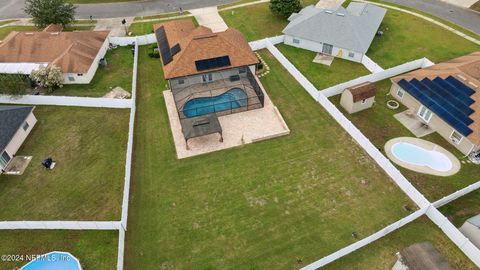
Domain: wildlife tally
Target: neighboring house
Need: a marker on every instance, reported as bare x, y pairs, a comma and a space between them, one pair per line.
16, 122
77, 53
358, 97
446, 97
420, 256
344, 33
471, 230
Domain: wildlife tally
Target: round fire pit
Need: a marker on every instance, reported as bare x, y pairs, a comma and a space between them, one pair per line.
393, 104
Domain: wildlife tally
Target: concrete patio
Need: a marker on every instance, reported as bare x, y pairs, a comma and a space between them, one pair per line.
238, 129
412, 123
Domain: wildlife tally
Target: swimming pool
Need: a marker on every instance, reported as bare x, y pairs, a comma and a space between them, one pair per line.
419, 156
232, 99
55, 260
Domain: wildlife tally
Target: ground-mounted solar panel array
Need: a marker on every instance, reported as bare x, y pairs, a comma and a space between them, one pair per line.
217, 62
163, 45
448, 98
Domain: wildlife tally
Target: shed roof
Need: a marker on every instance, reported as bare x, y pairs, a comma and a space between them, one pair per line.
200, 43
362, 91
352, 28
421, 256
73, 52
11, 119
451, 90
475, 220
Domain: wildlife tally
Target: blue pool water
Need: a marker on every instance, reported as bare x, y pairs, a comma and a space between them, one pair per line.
54, 261
233, 98
415, 155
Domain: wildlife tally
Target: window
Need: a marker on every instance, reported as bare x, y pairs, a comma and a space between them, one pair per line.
4, 159
351, 54
400, 93
296, 41
364, 101
79, 74
456, 137
71, 78
25, 126
425, 114
181, 81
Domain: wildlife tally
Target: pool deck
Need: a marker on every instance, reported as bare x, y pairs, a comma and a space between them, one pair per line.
238, 129
427, 146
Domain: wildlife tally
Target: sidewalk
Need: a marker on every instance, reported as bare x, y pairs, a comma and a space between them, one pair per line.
210, 18
117, 29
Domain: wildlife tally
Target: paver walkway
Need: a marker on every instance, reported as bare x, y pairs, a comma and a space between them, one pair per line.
210, 18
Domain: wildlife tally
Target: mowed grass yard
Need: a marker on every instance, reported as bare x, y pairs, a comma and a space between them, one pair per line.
277, 204
380, 255
379, 125
322, 76
89, 146
407, 38
118, 72
94, 249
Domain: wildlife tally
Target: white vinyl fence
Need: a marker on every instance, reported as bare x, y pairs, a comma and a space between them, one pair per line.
365, 241
67, 101
370, 65
378, 76
456, 195
140, 40
472, 252
60, 225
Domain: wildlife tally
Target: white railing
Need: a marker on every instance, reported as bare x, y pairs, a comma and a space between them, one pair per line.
365, 241
456, 195
378, 76
60, 225
67, 101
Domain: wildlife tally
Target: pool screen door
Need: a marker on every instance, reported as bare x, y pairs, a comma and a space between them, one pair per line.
4, 159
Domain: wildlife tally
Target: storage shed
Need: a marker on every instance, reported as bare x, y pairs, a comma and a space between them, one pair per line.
358, 97
420, 256
471, 230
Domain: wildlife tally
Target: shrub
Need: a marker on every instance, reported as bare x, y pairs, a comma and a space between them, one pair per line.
48, 77
285, 8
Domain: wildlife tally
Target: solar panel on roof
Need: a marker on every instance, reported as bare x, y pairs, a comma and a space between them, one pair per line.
211, 63
436, 105
448, 95
458, 84
163, 45
175, 49
466, 99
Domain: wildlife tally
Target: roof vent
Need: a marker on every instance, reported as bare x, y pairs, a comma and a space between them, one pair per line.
328, 11
461, 77
29, 34
341, 14
54, 33
472, 84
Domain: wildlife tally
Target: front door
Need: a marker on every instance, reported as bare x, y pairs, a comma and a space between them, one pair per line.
327, 49
4, 159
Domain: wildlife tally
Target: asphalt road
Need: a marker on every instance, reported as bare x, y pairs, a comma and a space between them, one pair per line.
463, 17
14, 8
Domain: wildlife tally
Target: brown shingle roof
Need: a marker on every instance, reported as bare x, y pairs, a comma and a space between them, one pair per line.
53, 28
362, 91
73, 52
199, 43
467, 70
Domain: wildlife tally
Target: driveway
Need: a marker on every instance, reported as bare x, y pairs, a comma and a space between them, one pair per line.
463, 17
13, 8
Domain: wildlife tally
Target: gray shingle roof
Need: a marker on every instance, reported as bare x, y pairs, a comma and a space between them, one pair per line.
11, 119
352, 28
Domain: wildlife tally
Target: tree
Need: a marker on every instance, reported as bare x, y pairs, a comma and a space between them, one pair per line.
45, 12
48, 77
285, 8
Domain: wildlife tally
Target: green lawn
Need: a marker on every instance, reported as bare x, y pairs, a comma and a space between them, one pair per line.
118, 72
463, 208
263, 205
407, 38
94, 249
320, 75
7, 22
163, 15
239, 2
379, 126
145, 28
89, 146
380, 255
